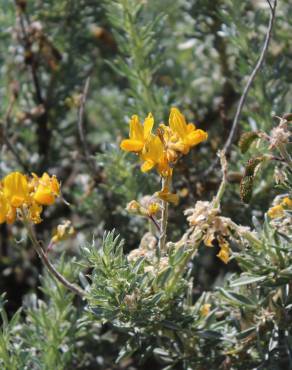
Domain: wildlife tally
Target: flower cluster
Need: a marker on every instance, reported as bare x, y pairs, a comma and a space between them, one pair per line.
281, 215
205, 218
63, 231
163, 149
25, 196
278, 210
147, 207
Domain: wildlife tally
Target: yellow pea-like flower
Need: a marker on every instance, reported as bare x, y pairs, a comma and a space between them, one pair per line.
167, 196
15, 189
139, 134
224, 253
162, 150
188, 135
205, 309
4, 208
34, 213
25, 196
287, 202
11, 215
276, 211
153, 209
47, 190
63, 231
154, 155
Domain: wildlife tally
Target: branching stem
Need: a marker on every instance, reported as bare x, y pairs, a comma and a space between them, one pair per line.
45, 260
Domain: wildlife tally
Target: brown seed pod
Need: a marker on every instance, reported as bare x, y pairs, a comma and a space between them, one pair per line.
246, 140
246, 186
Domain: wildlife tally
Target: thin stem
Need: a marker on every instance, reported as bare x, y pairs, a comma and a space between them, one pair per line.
155, 223
164, 218
15, 153
221, 190
5, 135
247, 87
80, 124
44, 258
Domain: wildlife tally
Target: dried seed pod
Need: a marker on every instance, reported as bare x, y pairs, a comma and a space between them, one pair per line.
246, 186
252, 165
246, 140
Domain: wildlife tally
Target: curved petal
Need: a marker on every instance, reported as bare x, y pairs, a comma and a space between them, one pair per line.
129, 145
191, 127
196, 137
147, 166
15, 189
148, 125
136, 129
177, 122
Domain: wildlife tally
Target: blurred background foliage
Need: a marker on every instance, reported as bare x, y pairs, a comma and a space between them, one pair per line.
140, 57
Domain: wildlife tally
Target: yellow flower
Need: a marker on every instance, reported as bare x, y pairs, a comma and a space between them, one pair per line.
209, 238
287, 202
153, 208
17, 192
153, 155
139, 134
167, 196
224, 253
162, 150
134, 207
15, 189
63, 232
11, 215
34, 213
276, 211
185, 135
205, 309
4, 208
47, 190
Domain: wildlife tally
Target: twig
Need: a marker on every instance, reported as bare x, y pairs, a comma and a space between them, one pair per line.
246, 89
15, 154
270, 5
32, 68
164, 219
155, 223
80, 123
221, 190
5, 136
44, 258
43, 131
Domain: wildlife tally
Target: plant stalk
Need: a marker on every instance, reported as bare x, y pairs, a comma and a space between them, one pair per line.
164, 219
45, 260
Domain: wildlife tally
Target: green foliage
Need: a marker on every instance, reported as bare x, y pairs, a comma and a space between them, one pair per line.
138, 41
48, 336
145, 312
150, 307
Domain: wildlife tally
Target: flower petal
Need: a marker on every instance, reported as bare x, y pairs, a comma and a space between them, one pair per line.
177, 122
136, 129
129, 145
196, 137
147, 166
148, 125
